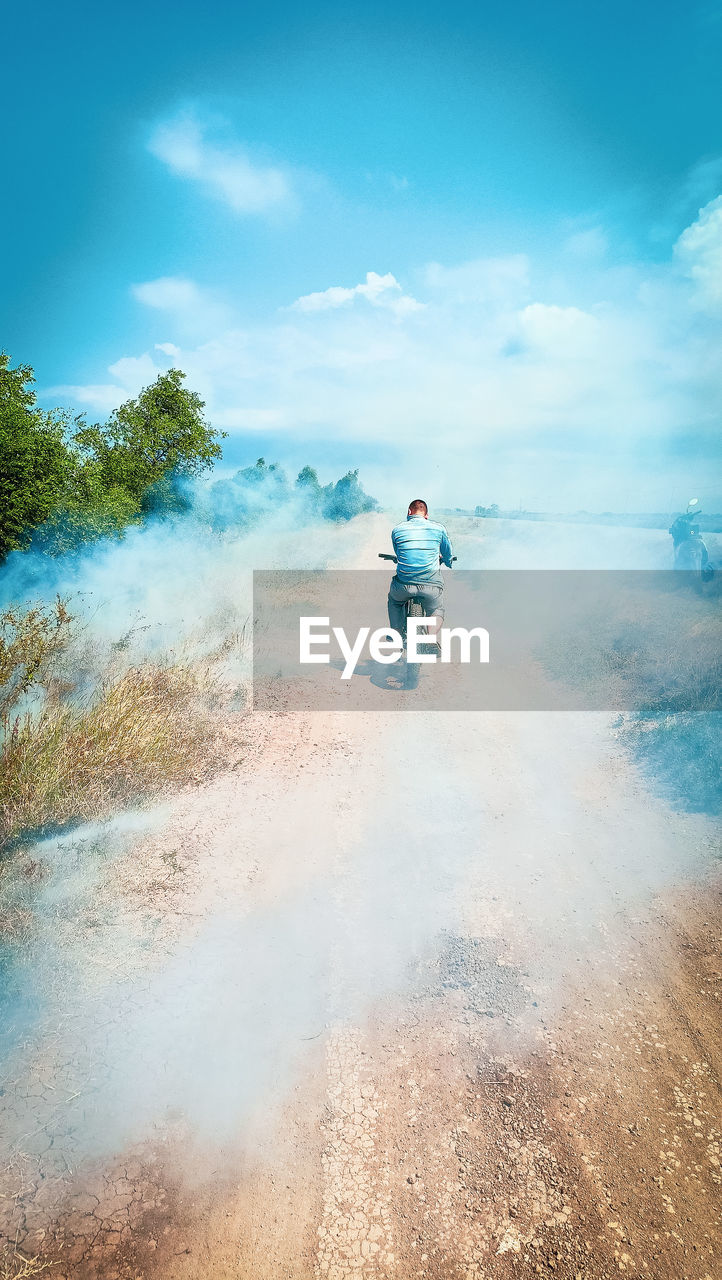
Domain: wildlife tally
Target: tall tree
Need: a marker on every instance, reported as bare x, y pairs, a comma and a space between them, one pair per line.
35, 463
162, 431
347, 498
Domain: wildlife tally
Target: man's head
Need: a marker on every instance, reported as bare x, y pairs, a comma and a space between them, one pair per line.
419, 508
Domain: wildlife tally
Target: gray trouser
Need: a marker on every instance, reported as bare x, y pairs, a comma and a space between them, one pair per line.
430, 596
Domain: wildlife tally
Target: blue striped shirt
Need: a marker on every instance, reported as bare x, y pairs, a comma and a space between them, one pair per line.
418, 543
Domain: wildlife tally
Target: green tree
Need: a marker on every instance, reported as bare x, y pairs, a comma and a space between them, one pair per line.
346, 498
162, 431
269, 477
307, 480
35, 464
309, 487
104, 515
255, 474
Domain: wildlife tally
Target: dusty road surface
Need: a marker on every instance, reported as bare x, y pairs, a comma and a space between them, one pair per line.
431, 995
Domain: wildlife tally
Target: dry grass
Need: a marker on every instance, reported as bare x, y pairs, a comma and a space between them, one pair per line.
16, 1267
143, 731
31, 642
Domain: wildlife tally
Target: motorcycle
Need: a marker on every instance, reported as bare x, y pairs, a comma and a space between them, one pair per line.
690, 549
412, 609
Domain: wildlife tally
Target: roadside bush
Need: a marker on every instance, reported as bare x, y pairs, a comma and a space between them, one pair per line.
141, 732
30, 643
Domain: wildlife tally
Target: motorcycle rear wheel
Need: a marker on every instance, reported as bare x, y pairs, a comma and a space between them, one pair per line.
413, 610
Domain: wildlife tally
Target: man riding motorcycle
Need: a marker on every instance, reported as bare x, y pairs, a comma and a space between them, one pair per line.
690, 551
419, 544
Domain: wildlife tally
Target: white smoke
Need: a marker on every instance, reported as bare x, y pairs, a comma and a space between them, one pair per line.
306, 894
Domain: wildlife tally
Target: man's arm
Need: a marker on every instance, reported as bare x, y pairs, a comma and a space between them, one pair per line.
445, 549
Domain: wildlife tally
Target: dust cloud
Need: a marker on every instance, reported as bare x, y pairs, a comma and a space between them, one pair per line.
318, 891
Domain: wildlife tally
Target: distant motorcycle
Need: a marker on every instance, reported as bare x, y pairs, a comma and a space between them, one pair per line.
690, 550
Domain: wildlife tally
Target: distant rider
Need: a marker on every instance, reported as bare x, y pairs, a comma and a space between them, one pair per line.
418, 543
690, 550
684, 526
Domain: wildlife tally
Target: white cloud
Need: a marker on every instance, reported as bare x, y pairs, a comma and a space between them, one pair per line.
469, 373
100, 397
237, 417
380, 291
590, 243
134, 372
168, 293
497, 281
524, 378
557, 331
131, 374
225, 171
699, 250
197, 311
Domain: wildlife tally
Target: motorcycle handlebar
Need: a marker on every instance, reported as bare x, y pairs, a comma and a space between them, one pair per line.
382, 556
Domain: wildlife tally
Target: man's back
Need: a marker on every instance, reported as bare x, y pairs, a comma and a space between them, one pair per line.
418, 543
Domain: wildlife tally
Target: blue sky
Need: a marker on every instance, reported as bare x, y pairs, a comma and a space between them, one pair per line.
474, 249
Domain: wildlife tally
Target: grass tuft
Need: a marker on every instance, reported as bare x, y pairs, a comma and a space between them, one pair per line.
141, 732
17, 1267
31, 641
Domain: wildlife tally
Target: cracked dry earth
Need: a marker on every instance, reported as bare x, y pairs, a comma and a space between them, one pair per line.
306, 1023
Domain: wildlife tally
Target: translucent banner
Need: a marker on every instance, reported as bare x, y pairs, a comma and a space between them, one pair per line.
510, 640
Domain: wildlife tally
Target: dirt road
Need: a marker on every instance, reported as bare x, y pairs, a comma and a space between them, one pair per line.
431, 996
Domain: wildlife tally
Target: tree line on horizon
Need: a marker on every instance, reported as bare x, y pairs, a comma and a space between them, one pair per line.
265, 486
65, 482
